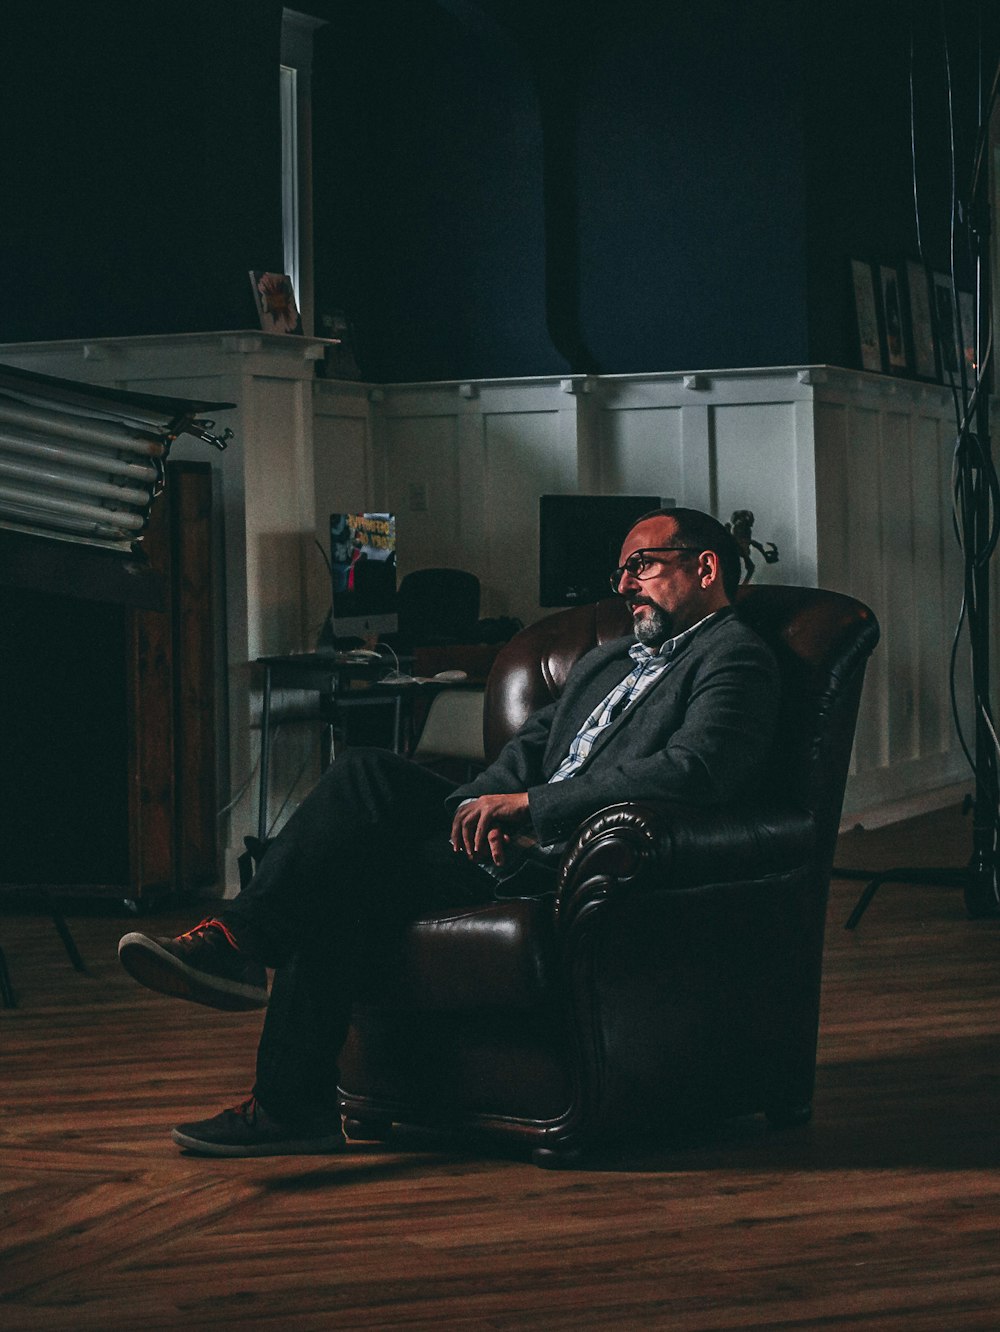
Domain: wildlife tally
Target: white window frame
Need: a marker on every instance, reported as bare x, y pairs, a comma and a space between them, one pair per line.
295, 93
291, 226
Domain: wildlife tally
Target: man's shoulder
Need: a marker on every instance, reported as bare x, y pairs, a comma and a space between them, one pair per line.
731, 634
730, 625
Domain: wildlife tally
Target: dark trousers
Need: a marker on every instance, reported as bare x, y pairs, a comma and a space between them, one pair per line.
363, 855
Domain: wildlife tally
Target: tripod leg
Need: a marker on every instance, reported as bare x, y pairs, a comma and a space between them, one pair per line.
69, 943
941, 878
864, 901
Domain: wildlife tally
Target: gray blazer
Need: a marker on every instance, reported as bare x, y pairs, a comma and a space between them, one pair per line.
700, 732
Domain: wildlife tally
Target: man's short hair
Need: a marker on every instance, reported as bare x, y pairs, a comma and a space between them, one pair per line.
695, 528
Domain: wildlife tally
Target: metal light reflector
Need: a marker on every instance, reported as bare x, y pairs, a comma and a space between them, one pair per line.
84, 463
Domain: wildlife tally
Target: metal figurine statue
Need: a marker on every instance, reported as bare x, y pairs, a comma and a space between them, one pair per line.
741, 526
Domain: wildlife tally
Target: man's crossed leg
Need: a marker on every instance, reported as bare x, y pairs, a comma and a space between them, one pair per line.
364, 854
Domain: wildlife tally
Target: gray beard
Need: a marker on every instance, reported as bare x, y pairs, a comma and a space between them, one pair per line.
655, 627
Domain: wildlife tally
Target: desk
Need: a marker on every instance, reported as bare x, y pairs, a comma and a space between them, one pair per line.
325, 674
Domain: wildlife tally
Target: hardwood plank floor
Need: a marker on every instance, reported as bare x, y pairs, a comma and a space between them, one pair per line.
882, 1214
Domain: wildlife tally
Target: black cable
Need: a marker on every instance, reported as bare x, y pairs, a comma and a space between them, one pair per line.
309, 758
975, 483
952, 693
981, 379
326, 558
913, 155
956, 332
983, 137
976, 486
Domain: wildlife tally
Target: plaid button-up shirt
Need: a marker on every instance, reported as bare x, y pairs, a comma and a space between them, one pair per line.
649, 666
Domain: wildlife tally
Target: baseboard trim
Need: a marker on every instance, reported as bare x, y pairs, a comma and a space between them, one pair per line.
910, 807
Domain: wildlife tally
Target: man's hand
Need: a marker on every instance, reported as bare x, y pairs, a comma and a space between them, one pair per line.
481, 827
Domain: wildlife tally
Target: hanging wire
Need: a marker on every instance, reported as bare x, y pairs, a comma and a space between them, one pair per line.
975, 499
292, 788
326, 559
975, 485
956, 716
913, 153
243, 788
953, 230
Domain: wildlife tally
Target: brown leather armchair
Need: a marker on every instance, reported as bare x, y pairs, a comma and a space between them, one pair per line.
675, 975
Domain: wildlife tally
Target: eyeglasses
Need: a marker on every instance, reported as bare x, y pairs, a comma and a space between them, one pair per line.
640, 563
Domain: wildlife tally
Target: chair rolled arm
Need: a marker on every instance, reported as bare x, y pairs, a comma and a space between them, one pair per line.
661, 845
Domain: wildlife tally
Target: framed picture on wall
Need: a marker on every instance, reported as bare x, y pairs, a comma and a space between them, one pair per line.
967, 323
892, 319
866, 313
945, 327
922, 320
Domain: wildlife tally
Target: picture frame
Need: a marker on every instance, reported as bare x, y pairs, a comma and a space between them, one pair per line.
945, 327
924, 343
866, 315
275, 302
967, 325
895, 331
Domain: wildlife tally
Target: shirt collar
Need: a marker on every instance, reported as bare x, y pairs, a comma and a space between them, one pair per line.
641, 654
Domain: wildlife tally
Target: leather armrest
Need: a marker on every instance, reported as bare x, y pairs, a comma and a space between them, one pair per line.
669, 846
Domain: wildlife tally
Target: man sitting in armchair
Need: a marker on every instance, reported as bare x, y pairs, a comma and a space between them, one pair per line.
687, 711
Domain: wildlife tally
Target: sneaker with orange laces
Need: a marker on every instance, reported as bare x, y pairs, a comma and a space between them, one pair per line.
248, 1130
204, 965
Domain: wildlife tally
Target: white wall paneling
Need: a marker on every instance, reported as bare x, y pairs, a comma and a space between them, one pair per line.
739, 440
883, 454
848, 473
477, 456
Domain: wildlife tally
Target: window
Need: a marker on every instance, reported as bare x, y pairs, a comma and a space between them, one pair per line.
295, 91
290, 221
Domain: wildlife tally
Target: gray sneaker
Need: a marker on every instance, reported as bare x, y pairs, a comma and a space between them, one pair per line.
204, 965
248, 1130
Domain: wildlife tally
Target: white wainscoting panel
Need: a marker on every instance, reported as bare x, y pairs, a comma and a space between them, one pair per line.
847, 473
884, 512
478, 456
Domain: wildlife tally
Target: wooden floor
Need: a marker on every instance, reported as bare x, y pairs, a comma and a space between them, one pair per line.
884, 1213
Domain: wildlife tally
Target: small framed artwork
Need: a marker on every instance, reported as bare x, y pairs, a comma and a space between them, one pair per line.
945, 327
892, 319
275, 302
866, 312
967, 321
921, 321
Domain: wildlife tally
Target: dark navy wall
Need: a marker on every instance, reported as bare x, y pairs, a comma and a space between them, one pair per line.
140, 161
535, 187
503, 187
429, 213
692, 190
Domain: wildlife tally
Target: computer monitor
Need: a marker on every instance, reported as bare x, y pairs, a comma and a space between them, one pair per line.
579, 541
363, 571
